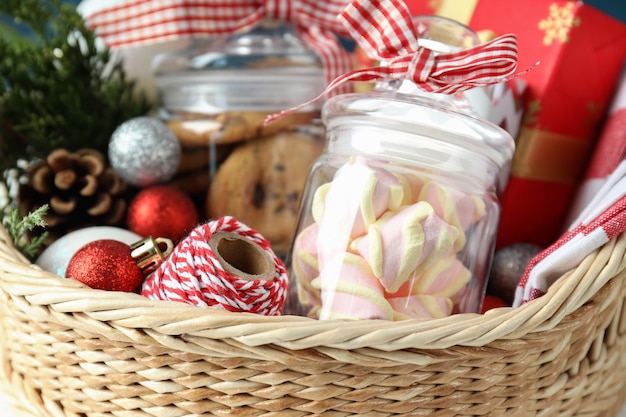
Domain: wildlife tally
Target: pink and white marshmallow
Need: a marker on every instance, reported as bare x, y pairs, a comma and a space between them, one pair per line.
446, 278
421, 306
349, 289
404, 243
454, 206
305, 264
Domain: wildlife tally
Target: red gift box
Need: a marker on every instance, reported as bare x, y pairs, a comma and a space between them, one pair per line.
580, 51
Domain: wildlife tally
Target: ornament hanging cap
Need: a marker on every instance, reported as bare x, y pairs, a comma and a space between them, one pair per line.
149, 253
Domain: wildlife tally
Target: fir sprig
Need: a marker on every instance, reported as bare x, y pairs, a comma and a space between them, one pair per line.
18, 228
59, 87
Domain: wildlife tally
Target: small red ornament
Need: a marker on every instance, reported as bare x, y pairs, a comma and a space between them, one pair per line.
106, 264
162, 210
492, 301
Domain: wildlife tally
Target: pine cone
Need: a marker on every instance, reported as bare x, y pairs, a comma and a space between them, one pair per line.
81, 189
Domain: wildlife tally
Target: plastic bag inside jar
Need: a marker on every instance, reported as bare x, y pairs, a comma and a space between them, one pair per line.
232, 164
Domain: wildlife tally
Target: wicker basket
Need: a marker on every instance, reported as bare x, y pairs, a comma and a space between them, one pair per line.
68, 350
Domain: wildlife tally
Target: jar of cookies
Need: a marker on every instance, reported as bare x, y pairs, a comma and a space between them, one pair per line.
215, 95
399, 215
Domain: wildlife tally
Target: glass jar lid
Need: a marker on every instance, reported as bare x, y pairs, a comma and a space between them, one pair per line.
265, 68
402, 126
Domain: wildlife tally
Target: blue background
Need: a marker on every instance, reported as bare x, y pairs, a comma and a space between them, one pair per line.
10, 29
616, 8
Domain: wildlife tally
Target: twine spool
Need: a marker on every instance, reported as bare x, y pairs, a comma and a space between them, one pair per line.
240, 257
222, 263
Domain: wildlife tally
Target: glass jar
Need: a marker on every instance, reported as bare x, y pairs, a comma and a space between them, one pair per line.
399, 216
215, 95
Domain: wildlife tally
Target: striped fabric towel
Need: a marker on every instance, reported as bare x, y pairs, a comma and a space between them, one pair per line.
603, 219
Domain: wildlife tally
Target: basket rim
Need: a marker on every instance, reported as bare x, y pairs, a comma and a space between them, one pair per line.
56, 296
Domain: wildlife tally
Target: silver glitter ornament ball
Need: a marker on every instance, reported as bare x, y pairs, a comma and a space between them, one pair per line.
508, 267
144, 151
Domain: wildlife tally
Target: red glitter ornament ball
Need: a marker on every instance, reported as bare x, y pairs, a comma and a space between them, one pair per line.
106, 264
162, 211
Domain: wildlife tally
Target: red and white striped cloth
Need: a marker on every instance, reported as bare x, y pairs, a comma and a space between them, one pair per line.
121, 23
603, 219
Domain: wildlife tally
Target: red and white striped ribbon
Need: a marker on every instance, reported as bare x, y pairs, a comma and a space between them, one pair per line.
385, 30
192, 274
121, 23
603, 219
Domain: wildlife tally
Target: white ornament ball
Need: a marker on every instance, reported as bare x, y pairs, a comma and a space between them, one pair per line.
144, 151
57, 256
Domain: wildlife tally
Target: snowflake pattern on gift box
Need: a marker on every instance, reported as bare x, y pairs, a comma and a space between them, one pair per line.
559, 23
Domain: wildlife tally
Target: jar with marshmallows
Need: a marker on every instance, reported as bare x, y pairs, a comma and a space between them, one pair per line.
215, 95
399, 215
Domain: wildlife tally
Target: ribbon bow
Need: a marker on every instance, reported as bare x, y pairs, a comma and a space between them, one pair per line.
385, 30
139, 22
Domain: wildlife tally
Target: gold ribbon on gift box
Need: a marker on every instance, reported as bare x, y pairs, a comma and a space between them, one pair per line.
547, 156
459, 10
462, 11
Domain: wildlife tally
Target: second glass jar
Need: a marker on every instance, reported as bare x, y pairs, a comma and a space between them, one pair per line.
215, 96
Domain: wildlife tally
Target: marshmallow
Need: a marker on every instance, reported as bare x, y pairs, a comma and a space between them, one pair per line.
350, 290
319, 202
455, 207
358, 195
413, 184
404, 243
422, 306
445, 278
305, 264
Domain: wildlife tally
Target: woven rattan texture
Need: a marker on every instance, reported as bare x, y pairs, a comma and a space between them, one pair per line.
68, 350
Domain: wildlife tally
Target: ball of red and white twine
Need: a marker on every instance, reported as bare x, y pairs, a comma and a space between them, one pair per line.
222, 263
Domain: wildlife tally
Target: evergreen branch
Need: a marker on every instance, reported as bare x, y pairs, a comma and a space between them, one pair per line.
59, 88
18, 229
